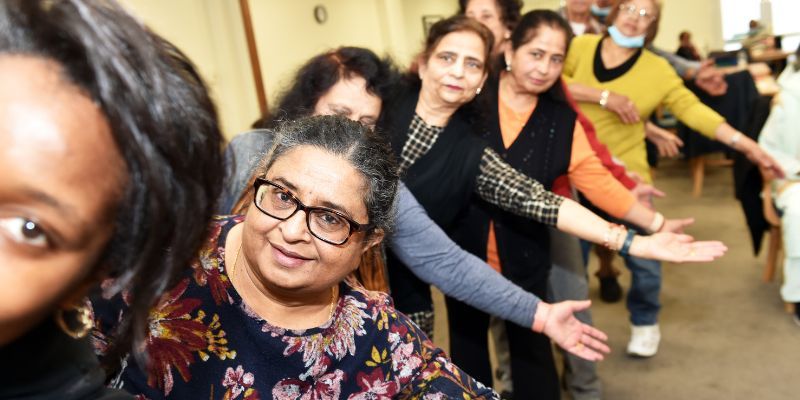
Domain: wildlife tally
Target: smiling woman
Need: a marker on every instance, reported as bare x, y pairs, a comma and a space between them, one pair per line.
270, 306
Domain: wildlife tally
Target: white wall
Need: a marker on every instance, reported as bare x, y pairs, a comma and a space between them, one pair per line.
210, 32
700, 17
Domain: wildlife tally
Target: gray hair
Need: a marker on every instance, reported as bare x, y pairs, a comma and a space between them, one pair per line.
368, 152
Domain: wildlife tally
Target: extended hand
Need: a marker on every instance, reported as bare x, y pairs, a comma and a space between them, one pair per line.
710, 79
624, 107
759, 157
668, 143
676, 225
644, 194
572, 335
677, 248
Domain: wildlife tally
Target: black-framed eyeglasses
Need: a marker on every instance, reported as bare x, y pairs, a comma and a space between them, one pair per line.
325, 224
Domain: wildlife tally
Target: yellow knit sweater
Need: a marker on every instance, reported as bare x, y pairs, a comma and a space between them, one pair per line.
650, 83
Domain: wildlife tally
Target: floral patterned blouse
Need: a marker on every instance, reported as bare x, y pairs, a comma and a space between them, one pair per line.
204, 342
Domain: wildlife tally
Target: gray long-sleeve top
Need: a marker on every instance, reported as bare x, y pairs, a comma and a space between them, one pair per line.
417, 241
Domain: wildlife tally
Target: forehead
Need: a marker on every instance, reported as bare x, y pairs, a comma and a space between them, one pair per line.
483, 5
53, 137
320, 176
649, 5
462, 42
547, 38
352, 93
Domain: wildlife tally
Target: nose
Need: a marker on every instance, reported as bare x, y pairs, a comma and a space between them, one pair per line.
457, 70
543, 67
295, 228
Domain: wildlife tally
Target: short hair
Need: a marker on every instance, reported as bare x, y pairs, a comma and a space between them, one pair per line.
459, 23
319, 74
510, 11
368, 152
161, 119
652, 30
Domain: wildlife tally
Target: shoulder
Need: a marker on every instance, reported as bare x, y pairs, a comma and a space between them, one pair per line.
584, 41
258, 139
655, 61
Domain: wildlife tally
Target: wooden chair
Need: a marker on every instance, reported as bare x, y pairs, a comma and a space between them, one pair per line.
775, 234
698, 165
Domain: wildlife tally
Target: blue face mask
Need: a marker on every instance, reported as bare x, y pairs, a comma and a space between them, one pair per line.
600, 12
630, 42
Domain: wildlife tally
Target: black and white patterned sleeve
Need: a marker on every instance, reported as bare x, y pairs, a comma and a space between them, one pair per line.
502, 185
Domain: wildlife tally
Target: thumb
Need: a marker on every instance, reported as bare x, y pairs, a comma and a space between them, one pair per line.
579, 305
658, 193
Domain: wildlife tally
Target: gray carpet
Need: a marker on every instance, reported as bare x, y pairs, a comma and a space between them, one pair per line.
725, 333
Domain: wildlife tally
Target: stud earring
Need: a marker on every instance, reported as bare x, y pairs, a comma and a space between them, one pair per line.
508, 66
477, 92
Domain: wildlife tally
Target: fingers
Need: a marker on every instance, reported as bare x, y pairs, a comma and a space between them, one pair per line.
591, 344
683, 223
656, 192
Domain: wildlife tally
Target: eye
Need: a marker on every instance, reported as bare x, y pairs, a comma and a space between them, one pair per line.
329, 221
281, 198
474, 65
558, 60
24, 231
446, 57
537, 55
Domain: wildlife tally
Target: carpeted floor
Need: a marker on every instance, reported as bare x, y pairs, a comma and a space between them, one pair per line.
725, 333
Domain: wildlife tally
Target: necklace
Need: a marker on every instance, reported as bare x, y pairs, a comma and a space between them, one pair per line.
332, 307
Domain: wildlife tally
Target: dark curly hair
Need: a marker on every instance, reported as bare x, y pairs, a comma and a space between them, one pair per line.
320, 73
510, 11
163, 123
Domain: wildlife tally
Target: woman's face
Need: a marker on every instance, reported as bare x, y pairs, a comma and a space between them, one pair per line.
635, 17
283, 255
537, 64
487, 13
62, 177
455, 69
579, 6
349, 98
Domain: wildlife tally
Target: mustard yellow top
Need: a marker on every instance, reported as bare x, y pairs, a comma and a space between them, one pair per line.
651, 82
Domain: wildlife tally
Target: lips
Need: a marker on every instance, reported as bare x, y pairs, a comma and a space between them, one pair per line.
454, 87
287, 258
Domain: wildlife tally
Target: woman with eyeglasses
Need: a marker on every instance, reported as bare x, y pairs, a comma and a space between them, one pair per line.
269, 308
354, 82
618, 84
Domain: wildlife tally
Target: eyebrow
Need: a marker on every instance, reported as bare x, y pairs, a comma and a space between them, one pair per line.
323, 203
44, 198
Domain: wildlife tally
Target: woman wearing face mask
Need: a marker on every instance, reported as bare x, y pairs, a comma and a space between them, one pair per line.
444, 165
534, 128
618, 85
353, 82
84, 85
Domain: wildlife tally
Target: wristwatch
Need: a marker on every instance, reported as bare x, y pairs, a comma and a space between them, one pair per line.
604, 98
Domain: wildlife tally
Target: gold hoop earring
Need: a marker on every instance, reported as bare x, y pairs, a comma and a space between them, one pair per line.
83, 318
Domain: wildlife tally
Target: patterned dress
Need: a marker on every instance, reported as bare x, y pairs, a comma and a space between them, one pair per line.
204, 342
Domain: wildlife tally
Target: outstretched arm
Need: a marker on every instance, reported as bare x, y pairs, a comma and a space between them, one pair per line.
427, 251
505, 187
